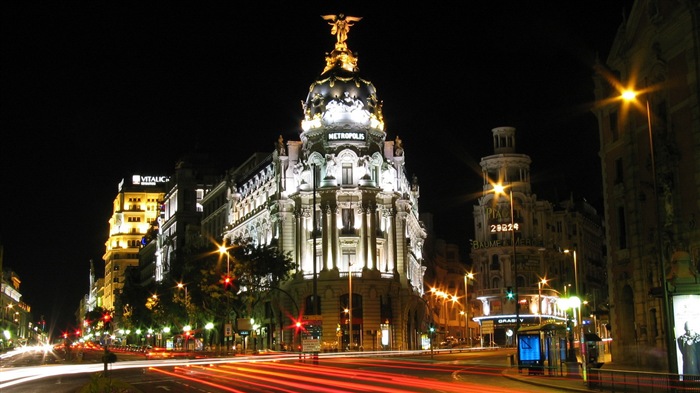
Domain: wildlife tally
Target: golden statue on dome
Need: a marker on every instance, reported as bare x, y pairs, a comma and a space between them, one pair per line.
341, 25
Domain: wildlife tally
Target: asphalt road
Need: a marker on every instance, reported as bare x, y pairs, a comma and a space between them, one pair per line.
400, 372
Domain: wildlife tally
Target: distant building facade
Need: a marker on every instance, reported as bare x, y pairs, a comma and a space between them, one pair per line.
135, 209
509, 275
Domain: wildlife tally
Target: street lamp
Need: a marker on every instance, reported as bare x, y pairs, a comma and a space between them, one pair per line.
445, 297
576, 302
224, 250
540, 284
573, 252
468, 276
500, 189
566, 304
630, 96
187, 329
187, 302
350, 305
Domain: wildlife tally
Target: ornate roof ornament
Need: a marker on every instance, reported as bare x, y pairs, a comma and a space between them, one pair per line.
341, 56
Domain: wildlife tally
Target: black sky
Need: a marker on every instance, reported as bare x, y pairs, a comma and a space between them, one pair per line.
93, 92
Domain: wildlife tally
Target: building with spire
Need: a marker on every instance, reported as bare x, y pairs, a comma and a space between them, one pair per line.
340, 201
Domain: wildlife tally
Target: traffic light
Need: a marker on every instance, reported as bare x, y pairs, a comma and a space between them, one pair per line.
432, 329
509, 293
107, 318
230, 283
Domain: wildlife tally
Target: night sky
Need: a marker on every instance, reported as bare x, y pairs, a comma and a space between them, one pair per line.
94, 92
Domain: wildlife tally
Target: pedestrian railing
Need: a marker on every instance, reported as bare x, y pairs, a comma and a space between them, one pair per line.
609, 380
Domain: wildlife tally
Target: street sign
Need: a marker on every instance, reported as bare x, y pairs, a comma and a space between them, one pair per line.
486, 327
311, 345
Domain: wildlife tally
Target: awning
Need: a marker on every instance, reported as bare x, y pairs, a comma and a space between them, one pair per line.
545, 327
591, 337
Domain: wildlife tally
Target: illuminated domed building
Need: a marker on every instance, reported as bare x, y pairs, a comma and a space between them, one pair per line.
340, 201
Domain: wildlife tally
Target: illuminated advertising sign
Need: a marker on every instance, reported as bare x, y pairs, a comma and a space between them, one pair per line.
346, 136
139, 180
686, 316
504, 227
497, 216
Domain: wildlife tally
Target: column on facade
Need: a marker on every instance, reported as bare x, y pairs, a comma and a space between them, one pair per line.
301, 241
325, 230
388, 241
364, 231
393, 243
333, 236
372, 262
401, 248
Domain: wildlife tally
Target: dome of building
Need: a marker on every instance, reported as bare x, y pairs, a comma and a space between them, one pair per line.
340, 98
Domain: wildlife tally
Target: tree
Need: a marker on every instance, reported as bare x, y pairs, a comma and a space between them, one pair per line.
252, 270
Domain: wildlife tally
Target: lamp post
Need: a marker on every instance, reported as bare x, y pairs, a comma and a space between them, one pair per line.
227, 282
576, 303
468, 276
208, 328
350, 305
187, 301
222, 250
430, 327
573, 252
630, 96
499, 189
540, 284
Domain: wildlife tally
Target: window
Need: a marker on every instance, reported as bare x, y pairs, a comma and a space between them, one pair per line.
347, 173
614, 127
348, 220
309, 306
116, 279
619, 175
621, 228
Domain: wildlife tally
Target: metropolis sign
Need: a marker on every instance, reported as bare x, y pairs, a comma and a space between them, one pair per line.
346, 136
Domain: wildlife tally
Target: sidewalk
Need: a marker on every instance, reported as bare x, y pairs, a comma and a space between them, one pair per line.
561, 382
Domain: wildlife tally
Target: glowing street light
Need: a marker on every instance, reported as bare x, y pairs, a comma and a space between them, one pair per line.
468, 276
540, 284
631, 96
187, 301
223, 250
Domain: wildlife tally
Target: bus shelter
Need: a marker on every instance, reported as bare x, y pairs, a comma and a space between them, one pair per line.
542, 348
